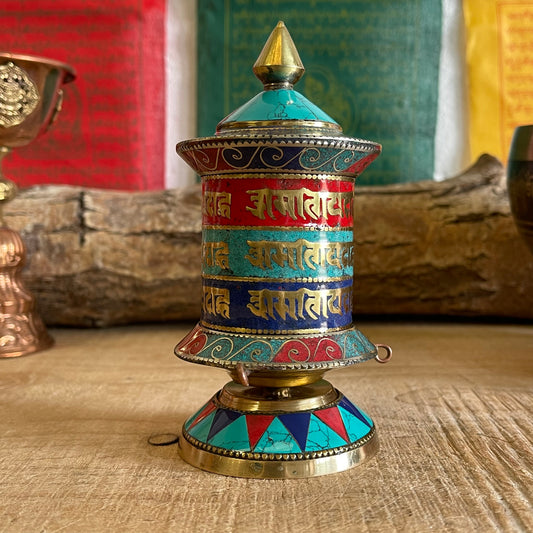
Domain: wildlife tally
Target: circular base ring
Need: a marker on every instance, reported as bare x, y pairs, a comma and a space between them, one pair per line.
279, 469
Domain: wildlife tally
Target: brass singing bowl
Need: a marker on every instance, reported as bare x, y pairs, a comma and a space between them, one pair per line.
30, 96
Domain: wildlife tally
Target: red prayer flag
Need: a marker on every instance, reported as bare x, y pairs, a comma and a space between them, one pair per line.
111, 130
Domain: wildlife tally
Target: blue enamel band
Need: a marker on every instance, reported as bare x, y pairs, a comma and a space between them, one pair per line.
266, 305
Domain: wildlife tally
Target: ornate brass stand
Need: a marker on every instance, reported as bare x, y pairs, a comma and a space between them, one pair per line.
278, 188
30, 98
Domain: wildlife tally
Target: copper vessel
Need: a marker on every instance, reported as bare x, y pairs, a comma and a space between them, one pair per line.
30, 99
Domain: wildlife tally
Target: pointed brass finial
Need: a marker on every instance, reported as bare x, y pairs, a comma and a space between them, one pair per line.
279, 65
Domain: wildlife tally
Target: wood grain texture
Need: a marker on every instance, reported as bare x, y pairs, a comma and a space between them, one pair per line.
454, 412
443, 248
99, 258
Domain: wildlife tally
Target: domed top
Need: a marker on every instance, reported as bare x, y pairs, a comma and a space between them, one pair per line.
278, 130
278, 67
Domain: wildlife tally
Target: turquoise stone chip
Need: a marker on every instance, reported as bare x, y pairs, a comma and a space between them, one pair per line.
355, 428
322, 437
192, 418
277, 439
201, 430
233, 437
280, 104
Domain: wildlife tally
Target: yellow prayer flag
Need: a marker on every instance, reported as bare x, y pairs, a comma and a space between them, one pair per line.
499, 54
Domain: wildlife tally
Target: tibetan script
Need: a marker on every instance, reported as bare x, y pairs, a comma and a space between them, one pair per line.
300, 254
217, 204
216, 301
300, 304
216, 254
300, 203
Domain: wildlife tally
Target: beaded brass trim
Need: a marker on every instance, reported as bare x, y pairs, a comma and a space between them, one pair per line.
342, 175
271, 331
277, 280
302, 334
289, 124
286, 174
265, 138
281, 228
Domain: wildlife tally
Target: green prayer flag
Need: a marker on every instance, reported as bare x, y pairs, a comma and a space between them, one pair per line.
372, 66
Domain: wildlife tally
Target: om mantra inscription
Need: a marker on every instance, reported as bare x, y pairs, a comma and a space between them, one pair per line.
303, 204
303, 303
277, 251
283, 201
300, 254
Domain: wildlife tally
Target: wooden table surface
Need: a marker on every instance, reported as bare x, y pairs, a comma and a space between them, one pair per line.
454, 412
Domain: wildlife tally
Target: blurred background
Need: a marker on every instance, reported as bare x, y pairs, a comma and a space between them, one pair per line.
437, 83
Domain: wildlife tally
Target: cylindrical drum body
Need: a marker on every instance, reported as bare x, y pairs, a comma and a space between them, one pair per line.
277, 247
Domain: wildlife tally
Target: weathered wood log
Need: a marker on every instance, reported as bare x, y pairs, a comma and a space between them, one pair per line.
100, 257
443, 248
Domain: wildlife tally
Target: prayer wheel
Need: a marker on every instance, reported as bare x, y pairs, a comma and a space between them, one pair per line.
278, 183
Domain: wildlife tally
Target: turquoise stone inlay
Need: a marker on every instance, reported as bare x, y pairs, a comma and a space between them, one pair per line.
285, 433
253, 253
233, 437
322, 437
355, 428
201, 430
280, 104
277, 439
224, 349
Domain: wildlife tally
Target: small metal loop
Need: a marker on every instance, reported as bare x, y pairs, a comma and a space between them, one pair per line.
385, 359
241, 375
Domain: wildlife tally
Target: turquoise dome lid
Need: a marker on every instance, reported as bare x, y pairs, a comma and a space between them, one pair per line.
277, 104
278, 67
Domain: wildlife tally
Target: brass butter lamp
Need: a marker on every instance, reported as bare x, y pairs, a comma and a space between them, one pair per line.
30, 99
277, 268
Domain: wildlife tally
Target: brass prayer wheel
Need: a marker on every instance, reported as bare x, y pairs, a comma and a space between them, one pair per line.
278, 183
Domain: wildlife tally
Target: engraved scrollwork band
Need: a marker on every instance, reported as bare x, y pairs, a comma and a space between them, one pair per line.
18, 95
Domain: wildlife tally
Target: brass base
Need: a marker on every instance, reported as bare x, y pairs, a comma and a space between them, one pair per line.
277, 469
278, 432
